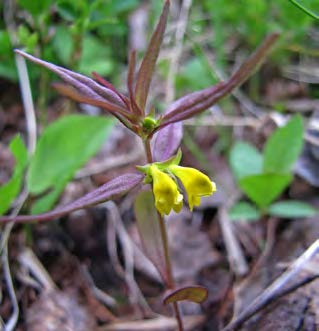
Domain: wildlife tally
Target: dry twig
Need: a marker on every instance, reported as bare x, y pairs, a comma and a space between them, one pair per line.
235, 254
278, 288
128, 253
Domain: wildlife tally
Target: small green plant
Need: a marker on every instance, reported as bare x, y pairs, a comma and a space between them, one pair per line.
161, 135
263, 177
63, 147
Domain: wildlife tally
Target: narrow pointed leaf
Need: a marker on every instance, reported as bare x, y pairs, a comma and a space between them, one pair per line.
108, 85
194, 293
149, 230
83, 84
305, 9
199, 101
146, 71
111, 190
73, 94
130, 80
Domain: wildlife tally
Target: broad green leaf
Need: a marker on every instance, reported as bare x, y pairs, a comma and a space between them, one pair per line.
264, 188
284, 147
149, 229
93, 48
11, 189
292, 209
245, 160
63, 43
45, 203
193, 293
244, 211
63, 148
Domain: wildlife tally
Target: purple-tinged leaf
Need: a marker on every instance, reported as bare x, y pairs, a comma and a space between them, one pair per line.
194, 103
73, 94
130, 80
84, 84
194, 293
105, 93
167, 141
146, 71
149, 229
110, 86
110, 190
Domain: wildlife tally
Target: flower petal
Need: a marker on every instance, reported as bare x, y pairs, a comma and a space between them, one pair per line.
167, 196
195, 183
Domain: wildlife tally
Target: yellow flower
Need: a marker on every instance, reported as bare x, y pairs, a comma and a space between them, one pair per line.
167, 196
195, 182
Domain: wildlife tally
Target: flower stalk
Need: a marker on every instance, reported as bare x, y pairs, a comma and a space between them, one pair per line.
168, 265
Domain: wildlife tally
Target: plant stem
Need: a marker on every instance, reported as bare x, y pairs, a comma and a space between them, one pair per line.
169, 274
148, 151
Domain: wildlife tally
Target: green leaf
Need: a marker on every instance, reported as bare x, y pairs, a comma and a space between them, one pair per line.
8, 70
35, 7
292, 209
5, 44
284, 147
194, 293
305, 9
62, 149
11, 189
189, 74
119, 7
244, 211
67, 10
46, 202
264, 188
93, 48
63, 44
149, 230
245, 160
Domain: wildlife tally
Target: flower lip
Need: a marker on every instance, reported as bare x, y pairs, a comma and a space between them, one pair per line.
196, 183
167, 196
